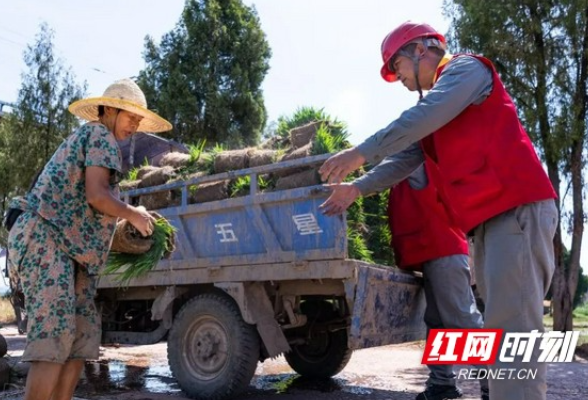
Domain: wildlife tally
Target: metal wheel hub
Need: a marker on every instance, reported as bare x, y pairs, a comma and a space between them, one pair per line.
206, 351
206, 345
317, 345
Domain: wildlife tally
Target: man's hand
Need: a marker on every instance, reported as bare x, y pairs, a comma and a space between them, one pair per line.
343, 195
336, 168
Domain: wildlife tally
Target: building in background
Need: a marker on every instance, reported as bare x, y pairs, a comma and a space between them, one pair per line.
4, 107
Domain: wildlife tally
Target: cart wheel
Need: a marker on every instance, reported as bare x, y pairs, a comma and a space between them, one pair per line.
325, 353
4, 373
3, 346
211, 351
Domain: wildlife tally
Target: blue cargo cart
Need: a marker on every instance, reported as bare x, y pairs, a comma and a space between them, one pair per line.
254, 277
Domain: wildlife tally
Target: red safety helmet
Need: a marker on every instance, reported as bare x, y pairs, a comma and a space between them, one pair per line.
401, 36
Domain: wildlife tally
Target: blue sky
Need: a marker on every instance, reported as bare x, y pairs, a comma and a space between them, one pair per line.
326, 53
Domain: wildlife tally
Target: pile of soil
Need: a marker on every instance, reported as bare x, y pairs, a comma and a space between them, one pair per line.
180, 166
128, 240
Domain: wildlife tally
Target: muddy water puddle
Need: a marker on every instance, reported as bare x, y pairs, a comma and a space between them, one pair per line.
290, 383
107, 376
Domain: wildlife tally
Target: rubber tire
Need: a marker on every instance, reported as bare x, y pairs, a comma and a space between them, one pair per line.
4, 373
3, 346
213, 316
327, 353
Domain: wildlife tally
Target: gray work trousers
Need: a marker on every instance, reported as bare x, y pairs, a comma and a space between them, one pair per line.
450, 305
514, 265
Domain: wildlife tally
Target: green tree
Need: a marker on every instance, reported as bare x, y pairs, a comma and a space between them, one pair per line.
206, 74
582, 280
40, 120
582, 288
540, 49
5, 178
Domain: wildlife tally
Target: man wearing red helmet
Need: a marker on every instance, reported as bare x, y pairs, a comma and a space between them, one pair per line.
467, 132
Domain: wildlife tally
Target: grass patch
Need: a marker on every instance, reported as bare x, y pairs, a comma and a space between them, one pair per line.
326, 141
130, 266
580, 323
196, 151
581, 313
242, 185
133, 173
208, 158
580, 318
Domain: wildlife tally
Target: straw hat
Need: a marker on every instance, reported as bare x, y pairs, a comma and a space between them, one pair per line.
123, 94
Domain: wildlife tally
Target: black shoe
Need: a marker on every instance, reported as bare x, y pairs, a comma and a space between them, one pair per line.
485, 394
440, 392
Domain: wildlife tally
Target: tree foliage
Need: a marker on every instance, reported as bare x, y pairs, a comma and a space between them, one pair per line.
582, 288
540, 49
40, 120
205, 76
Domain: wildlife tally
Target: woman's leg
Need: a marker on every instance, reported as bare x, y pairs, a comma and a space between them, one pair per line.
68, 380
41, 380
46, 275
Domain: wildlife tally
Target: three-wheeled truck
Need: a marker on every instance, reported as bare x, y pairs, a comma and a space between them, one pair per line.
254, 277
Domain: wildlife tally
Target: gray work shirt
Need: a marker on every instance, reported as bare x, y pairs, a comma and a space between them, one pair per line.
464, 81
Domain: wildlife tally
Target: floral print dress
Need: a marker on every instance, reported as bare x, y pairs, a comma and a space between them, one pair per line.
58, 246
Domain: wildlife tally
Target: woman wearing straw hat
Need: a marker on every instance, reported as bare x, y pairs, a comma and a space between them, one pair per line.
61, 240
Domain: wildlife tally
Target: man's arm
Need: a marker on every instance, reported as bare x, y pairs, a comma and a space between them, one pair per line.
464, 81
407, 164
391, 171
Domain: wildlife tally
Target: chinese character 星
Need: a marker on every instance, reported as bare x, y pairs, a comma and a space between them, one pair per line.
306, 224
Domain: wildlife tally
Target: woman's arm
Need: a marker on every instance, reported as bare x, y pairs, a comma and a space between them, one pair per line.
100, 197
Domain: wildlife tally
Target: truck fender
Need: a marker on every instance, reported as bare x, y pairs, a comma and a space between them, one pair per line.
161, 308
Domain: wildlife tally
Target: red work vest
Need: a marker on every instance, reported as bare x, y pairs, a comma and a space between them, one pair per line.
421, 229
483, 162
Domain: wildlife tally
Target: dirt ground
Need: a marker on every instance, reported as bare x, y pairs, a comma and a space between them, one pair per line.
383, 373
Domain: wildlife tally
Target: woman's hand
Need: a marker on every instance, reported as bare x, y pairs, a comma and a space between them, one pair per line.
142, 220
100, 197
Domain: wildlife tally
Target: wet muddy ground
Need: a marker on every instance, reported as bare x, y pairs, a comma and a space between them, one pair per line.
386, 373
